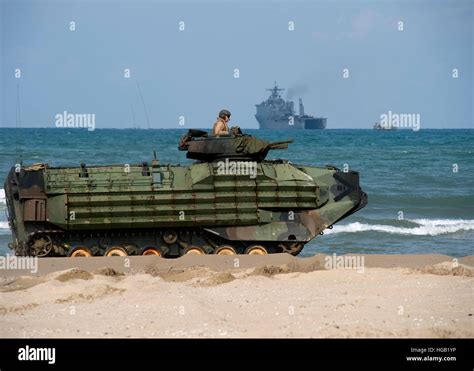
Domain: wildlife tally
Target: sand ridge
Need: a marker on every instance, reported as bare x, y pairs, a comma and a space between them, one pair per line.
284, 299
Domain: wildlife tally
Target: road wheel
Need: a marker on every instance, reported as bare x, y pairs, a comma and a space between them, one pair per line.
256, 250
116, 251
194, 250
225, 250
80, 252
151, 250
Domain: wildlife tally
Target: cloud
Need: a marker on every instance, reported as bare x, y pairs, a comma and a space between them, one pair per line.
362, 23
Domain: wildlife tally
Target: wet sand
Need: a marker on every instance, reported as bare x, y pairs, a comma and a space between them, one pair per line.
243, 296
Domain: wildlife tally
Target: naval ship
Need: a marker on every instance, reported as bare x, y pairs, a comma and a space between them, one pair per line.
278, 114
379, 126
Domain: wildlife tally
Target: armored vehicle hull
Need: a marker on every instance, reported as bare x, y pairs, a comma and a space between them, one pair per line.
225, 205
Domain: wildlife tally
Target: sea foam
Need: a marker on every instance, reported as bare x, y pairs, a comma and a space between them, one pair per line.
424, 227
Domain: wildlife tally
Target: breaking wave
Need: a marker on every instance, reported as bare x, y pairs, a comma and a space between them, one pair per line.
4, 229
422, 227
2, 197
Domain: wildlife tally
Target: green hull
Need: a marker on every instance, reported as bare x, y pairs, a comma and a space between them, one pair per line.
277, 205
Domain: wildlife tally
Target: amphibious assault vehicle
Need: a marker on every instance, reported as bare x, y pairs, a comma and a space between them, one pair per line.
231, 200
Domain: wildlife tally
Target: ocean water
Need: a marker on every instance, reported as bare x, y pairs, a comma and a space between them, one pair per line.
420, 184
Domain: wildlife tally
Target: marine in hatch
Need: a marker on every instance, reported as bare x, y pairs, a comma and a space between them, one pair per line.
220, 126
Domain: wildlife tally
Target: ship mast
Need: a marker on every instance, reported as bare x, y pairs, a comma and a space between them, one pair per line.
275, 91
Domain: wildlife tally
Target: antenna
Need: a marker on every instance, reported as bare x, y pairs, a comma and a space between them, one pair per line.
18, 123
18, 104
275, 88
133, 115
144, 106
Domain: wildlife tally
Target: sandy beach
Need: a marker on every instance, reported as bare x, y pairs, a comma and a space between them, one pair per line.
244, 296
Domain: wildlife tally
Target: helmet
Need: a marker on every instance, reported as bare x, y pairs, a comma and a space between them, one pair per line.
224, 113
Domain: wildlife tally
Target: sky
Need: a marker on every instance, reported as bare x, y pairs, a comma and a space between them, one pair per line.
192, 72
